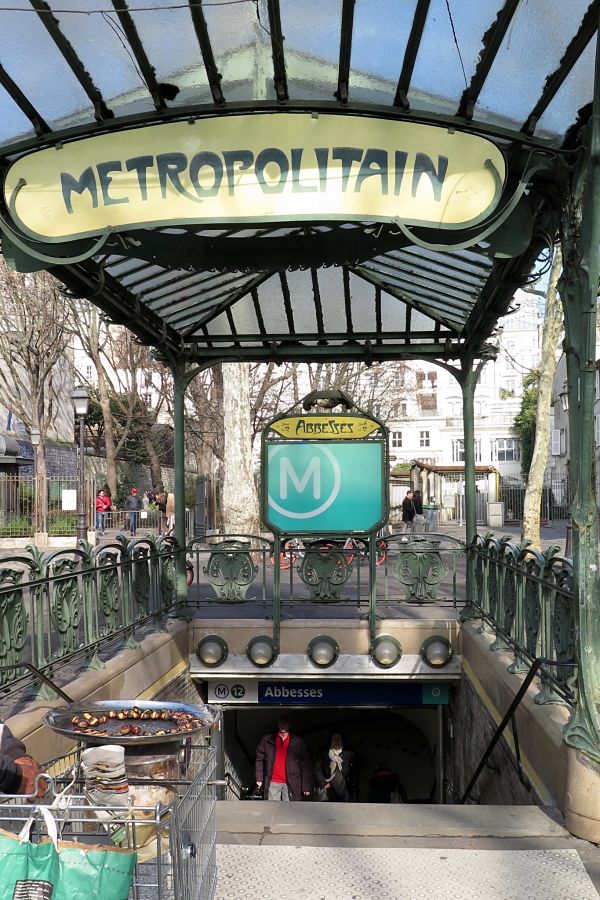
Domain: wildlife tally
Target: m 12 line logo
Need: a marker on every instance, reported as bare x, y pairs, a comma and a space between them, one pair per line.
305, 487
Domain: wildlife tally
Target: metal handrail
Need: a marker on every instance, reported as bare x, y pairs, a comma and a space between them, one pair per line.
509, 717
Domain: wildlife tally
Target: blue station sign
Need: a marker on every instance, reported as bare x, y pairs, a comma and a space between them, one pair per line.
328, 693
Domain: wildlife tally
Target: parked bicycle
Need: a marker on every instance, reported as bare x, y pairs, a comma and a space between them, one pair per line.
292, 550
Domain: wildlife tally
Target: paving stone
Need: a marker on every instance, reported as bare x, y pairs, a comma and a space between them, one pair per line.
359, 873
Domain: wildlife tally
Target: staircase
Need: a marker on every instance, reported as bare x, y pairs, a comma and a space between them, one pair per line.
327, 851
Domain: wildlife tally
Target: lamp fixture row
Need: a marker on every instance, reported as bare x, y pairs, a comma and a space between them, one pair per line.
323, 651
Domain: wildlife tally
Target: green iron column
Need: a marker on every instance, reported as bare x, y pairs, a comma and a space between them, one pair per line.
180, 382
580, 233
468, 382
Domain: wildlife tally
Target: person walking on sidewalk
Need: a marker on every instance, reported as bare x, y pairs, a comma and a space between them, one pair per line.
102, 508
133, 506
283, 766
419, 519
408, 513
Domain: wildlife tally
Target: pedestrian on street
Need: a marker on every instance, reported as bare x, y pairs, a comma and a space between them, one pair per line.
170, 512
419, 519
133, 506
408, 513
336, 772
283, 766
102, 508
161, 502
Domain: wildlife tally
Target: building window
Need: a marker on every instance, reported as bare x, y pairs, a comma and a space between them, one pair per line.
559, 440
89, 372
403, 410
597, 424
458, 450
424, 439
507, 450
597, 394
396, 440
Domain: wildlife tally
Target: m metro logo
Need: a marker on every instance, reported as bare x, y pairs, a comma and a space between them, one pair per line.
324, 487
301, 485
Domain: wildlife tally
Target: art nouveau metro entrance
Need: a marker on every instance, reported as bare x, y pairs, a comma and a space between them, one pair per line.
321, 182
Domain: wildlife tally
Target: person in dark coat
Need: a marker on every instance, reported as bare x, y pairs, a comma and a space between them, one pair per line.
386, 787
419, 519
133, 506
408, 513
283, 766
18, 770
336, 771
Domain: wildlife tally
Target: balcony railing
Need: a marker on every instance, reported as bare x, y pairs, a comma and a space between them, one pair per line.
526, 598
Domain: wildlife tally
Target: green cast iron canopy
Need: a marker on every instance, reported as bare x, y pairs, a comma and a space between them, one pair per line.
511, 72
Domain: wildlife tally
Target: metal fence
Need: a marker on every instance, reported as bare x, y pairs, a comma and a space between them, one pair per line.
68, 603
526, 598
419, 568
22, 516
556, 501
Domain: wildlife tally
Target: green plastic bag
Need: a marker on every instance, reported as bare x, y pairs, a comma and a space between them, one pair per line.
61, 870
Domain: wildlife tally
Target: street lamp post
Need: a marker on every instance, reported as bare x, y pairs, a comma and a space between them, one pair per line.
35, 435
81, 402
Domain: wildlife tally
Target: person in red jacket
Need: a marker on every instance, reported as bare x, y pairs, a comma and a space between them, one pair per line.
102, 507
283, 766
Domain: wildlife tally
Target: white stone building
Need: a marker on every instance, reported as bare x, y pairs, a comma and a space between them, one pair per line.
430, 428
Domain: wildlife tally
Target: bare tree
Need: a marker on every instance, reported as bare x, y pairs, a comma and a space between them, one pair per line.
125, 374
552, 329
33, 344
240, 500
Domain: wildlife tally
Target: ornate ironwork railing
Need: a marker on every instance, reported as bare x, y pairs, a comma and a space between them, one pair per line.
59, 605
247, 569
526, 598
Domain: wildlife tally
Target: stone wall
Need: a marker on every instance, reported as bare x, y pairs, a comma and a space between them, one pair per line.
470, 729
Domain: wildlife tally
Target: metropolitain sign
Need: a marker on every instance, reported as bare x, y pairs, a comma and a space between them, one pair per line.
279, 167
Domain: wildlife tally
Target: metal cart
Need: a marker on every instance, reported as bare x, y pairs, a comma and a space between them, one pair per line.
175, 841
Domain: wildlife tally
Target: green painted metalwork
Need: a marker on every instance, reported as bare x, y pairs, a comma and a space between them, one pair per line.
66, 604
324, 570
580, 235
527, 597
109, 592
180, 381
57, 605
141, 580
421, 569
13, 623
231, 571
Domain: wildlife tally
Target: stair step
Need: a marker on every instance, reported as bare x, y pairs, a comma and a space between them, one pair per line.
384, 820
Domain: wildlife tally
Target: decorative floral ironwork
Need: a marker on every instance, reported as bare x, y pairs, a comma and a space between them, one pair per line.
109, 597
231, 571
421, 569
324, 569
66, 603
13, 622
141, 579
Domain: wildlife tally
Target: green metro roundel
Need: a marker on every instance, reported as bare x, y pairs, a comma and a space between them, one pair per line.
324, 486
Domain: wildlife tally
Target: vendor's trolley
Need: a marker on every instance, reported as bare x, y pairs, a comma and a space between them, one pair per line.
169, 821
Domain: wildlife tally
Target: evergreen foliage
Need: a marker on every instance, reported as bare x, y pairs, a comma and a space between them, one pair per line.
525, 422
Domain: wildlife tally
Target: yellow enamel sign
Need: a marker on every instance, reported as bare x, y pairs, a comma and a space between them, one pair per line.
277, 167
313, 427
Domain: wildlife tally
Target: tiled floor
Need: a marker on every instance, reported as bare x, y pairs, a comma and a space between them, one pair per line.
361, 873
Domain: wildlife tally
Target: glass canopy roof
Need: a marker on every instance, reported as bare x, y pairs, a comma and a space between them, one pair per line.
517, 71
